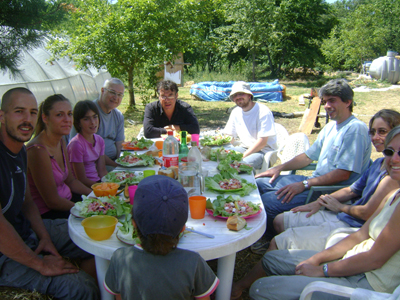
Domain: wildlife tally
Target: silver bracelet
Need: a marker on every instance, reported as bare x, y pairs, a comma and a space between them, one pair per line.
325, 269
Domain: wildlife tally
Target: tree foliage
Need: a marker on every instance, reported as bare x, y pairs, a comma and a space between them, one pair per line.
367, 30
129, 34
23, 23
284, 33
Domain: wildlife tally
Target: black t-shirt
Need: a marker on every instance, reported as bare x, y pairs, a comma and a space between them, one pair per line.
12, 188
155, 119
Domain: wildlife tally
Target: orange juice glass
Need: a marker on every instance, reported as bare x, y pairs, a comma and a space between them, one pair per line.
159, 144
197, 206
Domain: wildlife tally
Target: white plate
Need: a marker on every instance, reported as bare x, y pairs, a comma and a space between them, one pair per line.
137, 173
75, 212
124, 240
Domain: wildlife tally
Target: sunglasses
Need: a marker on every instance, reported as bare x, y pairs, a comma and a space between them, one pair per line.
381, 132
390, 152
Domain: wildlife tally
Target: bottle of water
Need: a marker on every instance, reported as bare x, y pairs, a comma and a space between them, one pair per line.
194, 156
183, 148
170, 151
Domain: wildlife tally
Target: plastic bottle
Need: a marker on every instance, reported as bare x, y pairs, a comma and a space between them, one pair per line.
183, 148
170, 151
194, 155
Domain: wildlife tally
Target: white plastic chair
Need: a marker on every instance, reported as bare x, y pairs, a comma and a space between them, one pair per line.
271, 156
140, 134
294, 145
351, 293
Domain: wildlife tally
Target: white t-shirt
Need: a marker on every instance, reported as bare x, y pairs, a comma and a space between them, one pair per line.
251, 125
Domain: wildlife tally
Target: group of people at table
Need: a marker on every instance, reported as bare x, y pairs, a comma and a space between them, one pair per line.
41, 181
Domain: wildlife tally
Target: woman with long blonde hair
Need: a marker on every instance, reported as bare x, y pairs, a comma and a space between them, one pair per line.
53, 187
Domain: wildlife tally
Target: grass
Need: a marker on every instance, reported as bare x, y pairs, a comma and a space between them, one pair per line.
214, 115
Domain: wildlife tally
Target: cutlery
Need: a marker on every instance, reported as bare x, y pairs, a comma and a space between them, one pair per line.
201, 233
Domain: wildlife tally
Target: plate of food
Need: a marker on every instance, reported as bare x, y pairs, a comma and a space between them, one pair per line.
222, 154
112, 206
123, 177
137, 144
126, 233
215, 140
129, 159
240, 167
225, 207
229, 182
76, 213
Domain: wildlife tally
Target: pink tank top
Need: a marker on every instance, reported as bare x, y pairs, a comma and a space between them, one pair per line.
59, 176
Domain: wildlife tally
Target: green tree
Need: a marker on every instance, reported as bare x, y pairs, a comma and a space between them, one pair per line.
128, 35
286, 33
365, 32
23, 24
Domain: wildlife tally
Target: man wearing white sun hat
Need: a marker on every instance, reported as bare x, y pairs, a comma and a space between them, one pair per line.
252, 123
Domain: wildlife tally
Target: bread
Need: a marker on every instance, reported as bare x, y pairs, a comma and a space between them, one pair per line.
235, 223
167, 172
152, 153
175, 170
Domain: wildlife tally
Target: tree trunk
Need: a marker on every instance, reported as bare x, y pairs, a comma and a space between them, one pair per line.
271, 64
281, 62
130, 88
254, 64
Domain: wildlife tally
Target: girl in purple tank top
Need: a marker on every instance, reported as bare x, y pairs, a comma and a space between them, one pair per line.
50, 179
86, 149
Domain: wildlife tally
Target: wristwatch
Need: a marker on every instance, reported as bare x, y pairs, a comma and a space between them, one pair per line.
325, 270
305, 182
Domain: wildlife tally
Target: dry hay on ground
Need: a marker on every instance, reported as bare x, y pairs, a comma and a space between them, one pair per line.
7, 293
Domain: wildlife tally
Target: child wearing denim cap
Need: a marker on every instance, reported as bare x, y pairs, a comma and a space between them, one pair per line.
157, 269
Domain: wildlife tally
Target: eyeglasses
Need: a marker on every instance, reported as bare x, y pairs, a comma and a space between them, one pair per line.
114, 93
390, 152
169, 97
381, 132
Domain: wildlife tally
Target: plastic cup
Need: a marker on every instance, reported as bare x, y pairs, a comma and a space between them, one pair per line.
159, 144
132, 190
147, 173
197, 206
195, 138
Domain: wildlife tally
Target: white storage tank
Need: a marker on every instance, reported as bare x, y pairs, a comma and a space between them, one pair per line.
386, 67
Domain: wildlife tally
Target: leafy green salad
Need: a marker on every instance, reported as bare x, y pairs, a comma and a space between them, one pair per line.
112, 206
126, 231
141, 143
240, 167
129, 159
232, 205
123, 177
229, 182
230, 155
215, 140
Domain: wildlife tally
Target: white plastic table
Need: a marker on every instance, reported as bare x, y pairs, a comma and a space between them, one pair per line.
223, 247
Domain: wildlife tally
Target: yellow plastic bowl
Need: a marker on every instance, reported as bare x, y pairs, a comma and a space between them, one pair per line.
99, 228
105, 189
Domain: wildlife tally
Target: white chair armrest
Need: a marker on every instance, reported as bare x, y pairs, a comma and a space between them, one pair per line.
269, 160
326, 287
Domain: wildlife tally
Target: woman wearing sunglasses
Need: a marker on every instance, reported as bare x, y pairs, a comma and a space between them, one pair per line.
368, 258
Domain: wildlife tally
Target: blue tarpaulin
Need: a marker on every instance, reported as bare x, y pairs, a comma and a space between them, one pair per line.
219, 91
